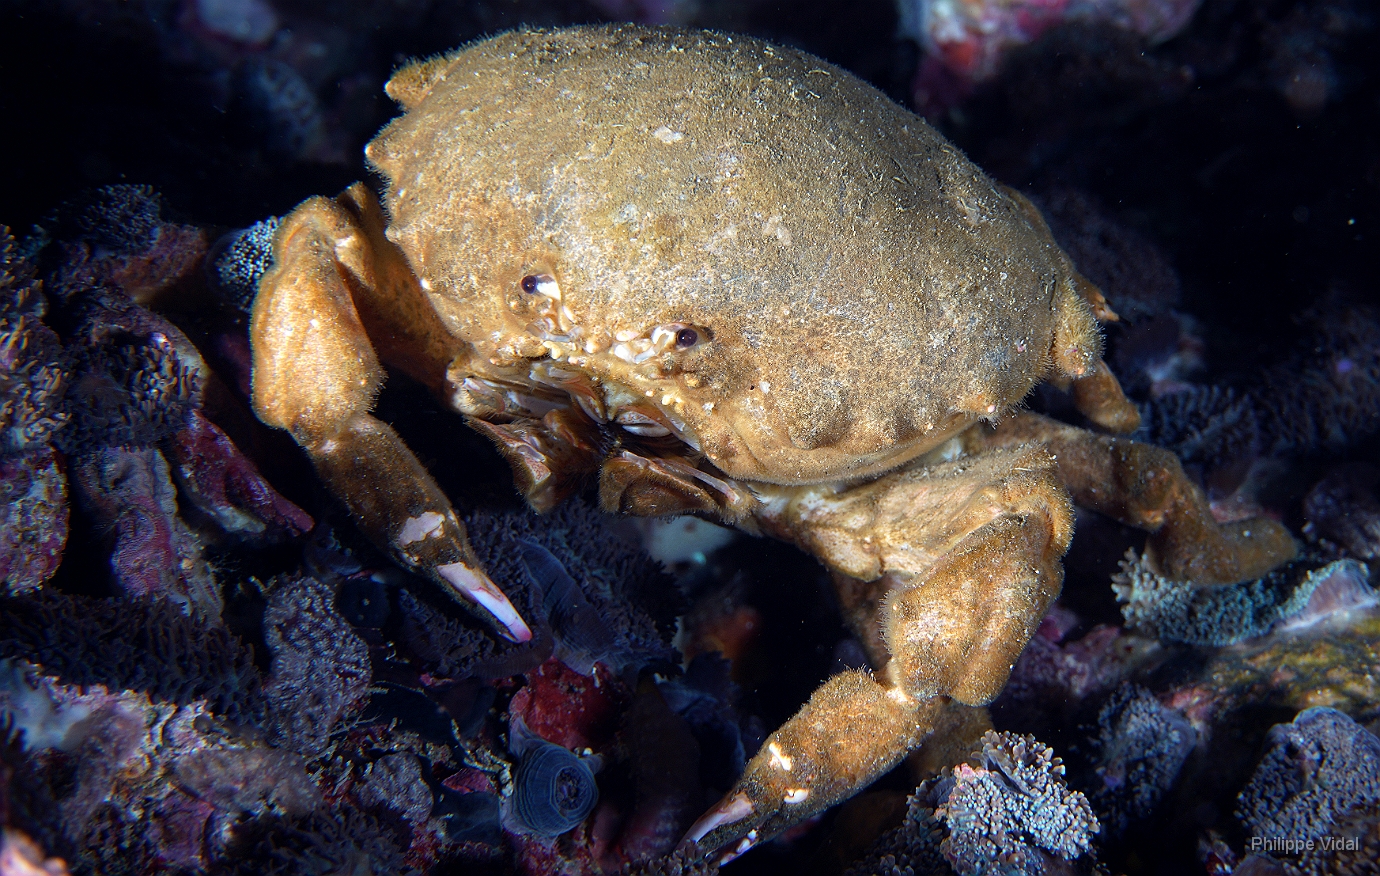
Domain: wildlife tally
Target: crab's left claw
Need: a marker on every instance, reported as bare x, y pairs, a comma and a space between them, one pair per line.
336, 283
851, 731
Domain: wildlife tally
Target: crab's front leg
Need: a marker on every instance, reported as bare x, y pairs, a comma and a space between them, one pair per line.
339, 296
968, 554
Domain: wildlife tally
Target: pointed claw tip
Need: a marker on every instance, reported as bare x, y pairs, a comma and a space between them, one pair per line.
477, 587
728, 811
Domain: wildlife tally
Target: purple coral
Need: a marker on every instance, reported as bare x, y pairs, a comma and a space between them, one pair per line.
131, 496
1325, 396
33, 518
1140, 747
1012, 810
320, 669
1315, 771
1181, 611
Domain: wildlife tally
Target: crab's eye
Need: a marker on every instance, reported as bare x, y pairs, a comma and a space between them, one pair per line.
529, 283
686, 338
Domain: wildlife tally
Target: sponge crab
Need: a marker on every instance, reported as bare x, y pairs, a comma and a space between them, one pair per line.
725, 278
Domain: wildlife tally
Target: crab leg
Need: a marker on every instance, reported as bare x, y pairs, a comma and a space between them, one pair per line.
968, 553
1144, 486
336, 284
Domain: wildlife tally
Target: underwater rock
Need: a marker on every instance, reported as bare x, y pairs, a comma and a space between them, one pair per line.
569, 709
971, 37
1139, 749
130, 643
153, 554
33, 519
1316, 771
320, 669
1297, 594
222, 483
1013, 808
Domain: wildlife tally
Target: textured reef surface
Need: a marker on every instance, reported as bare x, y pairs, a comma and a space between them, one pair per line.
205, 668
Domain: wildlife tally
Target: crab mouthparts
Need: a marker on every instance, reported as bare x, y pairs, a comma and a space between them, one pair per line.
477, 588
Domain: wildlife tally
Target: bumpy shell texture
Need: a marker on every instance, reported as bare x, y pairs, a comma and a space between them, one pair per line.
860, 288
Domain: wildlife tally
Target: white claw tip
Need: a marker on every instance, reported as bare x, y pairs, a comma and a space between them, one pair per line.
479, 589
727, 812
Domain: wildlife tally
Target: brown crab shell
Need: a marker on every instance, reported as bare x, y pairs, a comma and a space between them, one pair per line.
862, 289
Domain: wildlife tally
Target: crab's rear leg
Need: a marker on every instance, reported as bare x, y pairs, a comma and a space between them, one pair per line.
339, 297
1145, 486
968, 553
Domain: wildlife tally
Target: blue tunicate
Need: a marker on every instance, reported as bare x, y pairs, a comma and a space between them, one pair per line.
553, 790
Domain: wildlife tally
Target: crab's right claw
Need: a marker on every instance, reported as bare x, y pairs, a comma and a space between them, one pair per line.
316, 374
851, 731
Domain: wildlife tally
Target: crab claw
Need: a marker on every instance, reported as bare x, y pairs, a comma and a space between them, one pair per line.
486, 600
850, 732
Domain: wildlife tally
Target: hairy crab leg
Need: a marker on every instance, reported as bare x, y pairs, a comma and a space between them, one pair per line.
316, 373
968, 554
1145, 486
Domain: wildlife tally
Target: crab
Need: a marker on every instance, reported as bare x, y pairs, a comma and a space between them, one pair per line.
723, 278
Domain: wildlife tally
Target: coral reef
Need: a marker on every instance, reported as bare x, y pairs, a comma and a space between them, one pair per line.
1297, 593
129, 643
1315, 770
1215, 186
320, 668
33, 518
1325, 397
153, 553
1013, 808
966, 41
1139, 749
240, 258
1343, 509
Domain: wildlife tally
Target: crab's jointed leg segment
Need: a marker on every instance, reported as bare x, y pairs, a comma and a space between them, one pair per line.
968, 552
1145, 486
340, 295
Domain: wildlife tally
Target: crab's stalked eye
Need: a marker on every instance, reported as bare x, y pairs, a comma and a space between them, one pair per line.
686, 338
541, 284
